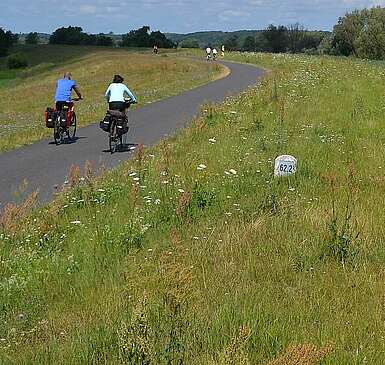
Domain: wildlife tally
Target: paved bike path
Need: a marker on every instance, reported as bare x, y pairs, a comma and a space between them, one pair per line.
45, 166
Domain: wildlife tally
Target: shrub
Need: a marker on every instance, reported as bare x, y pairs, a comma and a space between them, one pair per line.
17, 60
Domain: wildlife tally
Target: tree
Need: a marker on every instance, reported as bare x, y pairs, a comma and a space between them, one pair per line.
370, 42
231, 43
296, 34
249, 44
276, 38
70, 35
361, 33
142, 37
346, 31
159, 39
32, 38
7, 39
76, 36
138, 38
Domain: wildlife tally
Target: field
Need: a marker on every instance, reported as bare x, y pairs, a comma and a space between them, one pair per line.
193, 253
24, 95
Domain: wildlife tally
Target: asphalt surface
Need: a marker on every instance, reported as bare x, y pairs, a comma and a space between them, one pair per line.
45, 166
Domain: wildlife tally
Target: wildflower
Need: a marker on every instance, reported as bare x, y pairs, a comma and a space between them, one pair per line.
181, 190
233, 171
76, 222
157, 201
132, 174
101, 190
201, 167
212, 140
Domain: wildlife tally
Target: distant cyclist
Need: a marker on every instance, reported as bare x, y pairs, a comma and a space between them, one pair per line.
215, 54
208, 53
63, 92
156, 49
116, 95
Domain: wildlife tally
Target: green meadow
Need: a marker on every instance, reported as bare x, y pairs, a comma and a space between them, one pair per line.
193, 253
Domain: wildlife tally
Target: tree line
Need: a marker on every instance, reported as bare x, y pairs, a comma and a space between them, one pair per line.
360, 33
278, 39
141, 37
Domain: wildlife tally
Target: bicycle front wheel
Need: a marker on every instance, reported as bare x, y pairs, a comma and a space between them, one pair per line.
71, 131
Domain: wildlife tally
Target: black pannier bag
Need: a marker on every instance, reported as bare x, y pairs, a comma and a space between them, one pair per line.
63, 117
105, 123
50, 117
121, 126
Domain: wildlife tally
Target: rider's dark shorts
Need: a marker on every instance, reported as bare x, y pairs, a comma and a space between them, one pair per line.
117, 105
60, 104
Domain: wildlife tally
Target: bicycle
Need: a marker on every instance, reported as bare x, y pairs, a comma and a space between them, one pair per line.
65, 123
118, 128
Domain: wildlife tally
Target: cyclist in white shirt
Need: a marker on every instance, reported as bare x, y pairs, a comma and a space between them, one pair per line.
208, 53
215, 53
116, 94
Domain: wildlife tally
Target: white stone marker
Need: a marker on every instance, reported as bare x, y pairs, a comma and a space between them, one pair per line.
285, 165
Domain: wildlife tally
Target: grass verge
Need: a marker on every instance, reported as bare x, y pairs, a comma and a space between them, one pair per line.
193, 253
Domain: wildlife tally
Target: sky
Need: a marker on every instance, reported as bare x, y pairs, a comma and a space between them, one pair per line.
179, 16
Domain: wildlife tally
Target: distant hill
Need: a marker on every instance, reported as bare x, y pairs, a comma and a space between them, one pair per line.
211, 37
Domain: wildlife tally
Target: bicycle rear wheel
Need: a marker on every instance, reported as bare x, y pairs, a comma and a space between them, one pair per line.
113, 138
56, 132
71, 130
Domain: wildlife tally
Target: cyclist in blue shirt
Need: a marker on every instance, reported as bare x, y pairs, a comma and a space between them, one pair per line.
64, 89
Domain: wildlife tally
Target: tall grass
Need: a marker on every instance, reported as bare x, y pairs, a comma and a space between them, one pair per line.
194, 253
